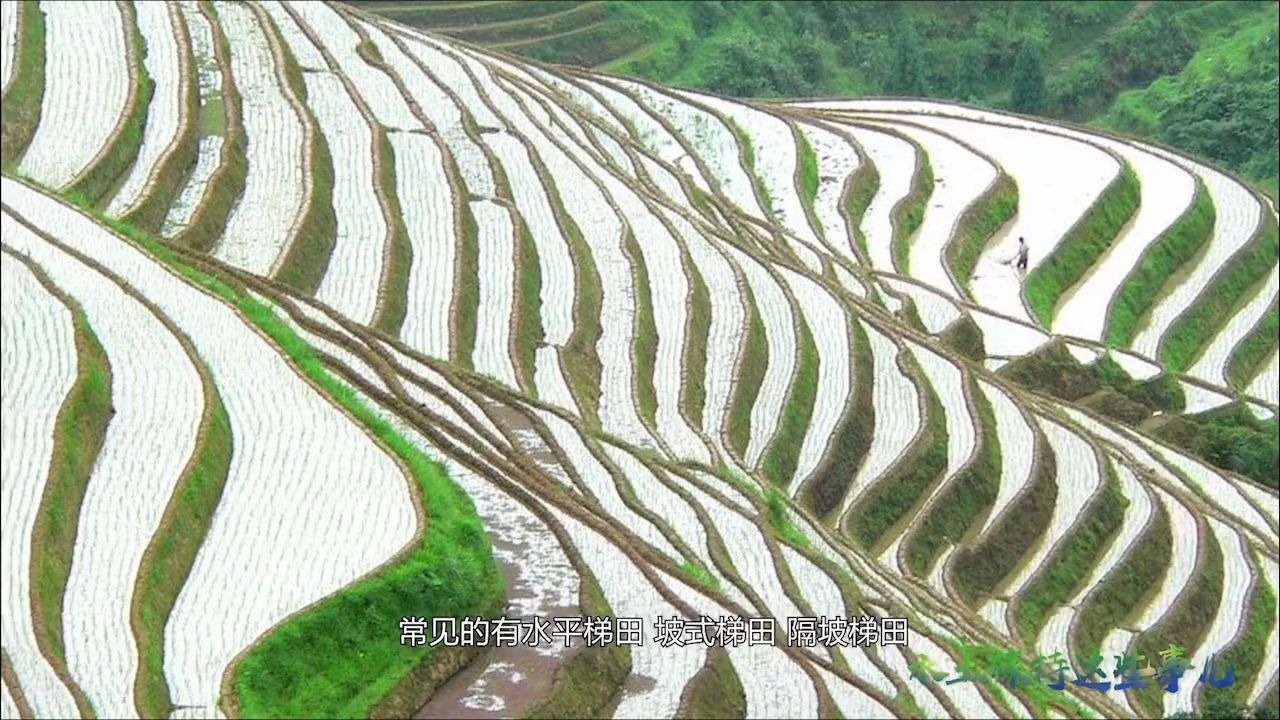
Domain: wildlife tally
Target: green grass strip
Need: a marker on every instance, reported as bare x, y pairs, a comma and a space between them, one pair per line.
779, 462
1178, 246
979, 569
965, 337
749, 159
101, 180
646, 337
1071, 562
963, 501
342, 656
307, 258
466, 289
1087, 242
590, 680
908, 214
715, 692
22, 103
226, 186
1246, 653
825, 491
1186, 624
1130, 584
78, 435
1254, 350
865, 185
780, 518
169, 175
172, 551
808, 170
529, 332
751, 370
977, 225
395, 304
693, 393
1225, 293
906, 485
580, 357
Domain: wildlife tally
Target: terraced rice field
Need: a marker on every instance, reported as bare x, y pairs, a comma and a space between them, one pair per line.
331, 322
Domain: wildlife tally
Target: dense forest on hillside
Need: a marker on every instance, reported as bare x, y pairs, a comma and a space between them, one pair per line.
1201, 76
1198, 75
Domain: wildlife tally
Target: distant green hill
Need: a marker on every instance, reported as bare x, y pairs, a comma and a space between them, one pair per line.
1201, 76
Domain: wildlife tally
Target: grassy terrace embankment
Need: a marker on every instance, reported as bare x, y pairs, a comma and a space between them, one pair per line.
342, 656
1188, 621
307, 257
900, 492
226, 185
825, 491
979, 569
754, 361
779, 461
528, 331
1085, 244
1229, 290
78, 434
965, 499
111, 166
1144, 286
1069, 564
1130, 586
909, 212
25, 93
980, 221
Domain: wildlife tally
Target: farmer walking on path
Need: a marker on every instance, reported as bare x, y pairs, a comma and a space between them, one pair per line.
1023, 251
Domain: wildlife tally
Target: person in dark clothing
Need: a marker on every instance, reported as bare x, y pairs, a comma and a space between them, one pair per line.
1023, 251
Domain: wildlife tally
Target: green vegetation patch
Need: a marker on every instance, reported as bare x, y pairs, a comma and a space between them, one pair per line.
226, 185
963, 501
909, 212
829, 483
865, 184
342, 657
307, 258
579, 355
808, 170
25, 94
1245, 655
646, 337
906, 485
590, 680
751, 369
1228, 437
587, 46
780, 518
1248, 358
1071, 562
78, 434
1084, 246
693, 393
101, 180
979, 569
977, 225
436, 15
715, 692
169, 556
1226, 292
1129, 586
965, 337
399, 258
466, 289
779, 462
169, 176
1187, 622
529, 332
1161, 263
